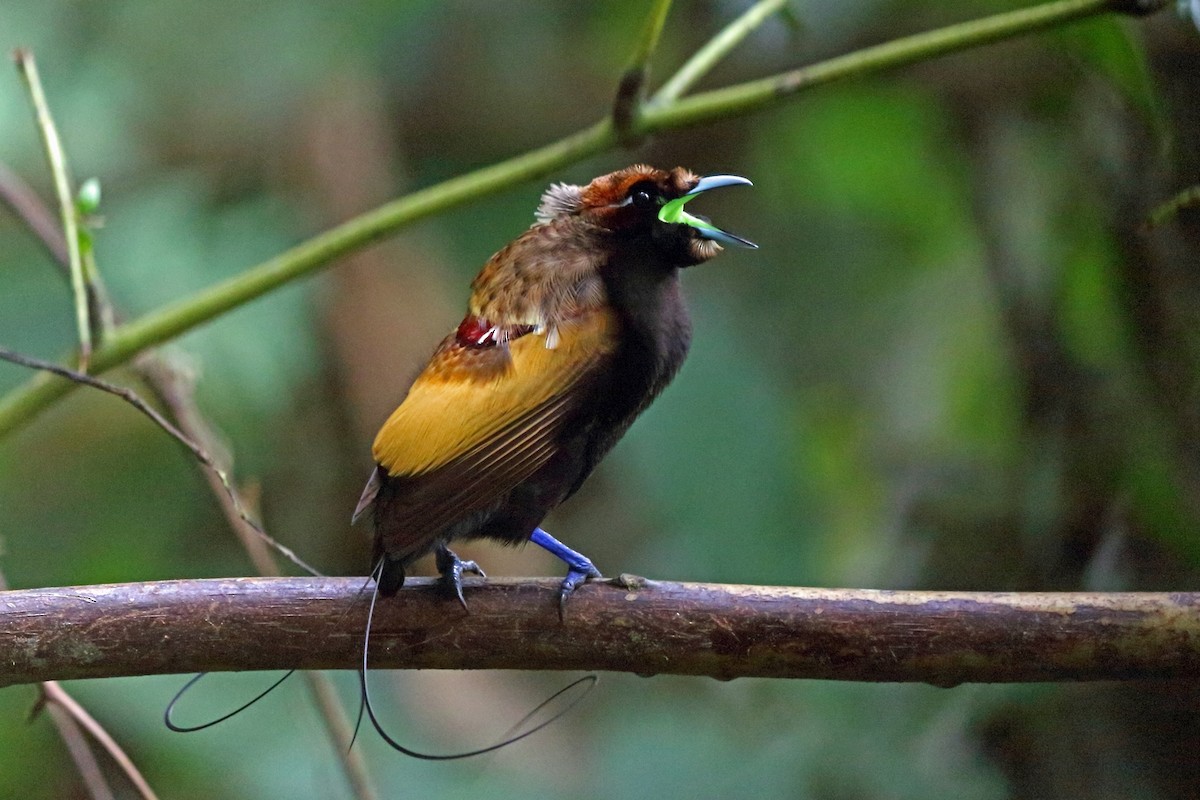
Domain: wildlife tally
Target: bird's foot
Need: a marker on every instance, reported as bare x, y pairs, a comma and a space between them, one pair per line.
451, 568
579, 567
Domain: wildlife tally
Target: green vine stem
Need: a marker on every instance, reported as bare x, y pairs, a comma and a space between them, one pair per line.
156, 327
631, 92
57, 161
717, 48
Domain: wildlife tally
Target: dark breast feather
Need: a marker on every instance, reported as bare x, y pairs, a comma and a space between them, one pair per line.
656, 334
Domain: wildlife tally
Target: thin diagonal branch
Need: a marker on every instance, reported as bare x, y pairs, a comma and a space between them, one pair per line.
717, 48
168, 383
131, 397
629, 625
319, 686
156, 327
165, 381
56, 695
160, 374
26, 206
172, 387
24, 203
1161, 214
762, 93
341, 735
80, 752
70, 718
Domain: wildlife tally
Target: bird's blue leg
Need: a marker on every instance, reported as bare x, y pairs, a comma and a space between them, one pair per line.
451, 568
579, 566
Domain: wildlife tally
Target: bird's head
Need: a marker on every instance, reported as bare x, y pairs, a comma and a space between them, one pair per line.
643, 202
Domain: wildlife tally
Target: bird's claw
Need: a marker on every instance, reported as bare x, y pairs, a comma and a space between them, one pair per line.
578, 573
451, 568
579, 567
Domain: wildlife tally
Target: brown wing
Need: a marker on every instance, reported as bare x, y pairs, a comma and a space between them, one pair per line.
479, 421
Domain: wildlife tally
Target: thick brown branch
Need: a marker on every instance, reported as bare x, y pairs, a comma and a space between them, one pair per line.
629, 625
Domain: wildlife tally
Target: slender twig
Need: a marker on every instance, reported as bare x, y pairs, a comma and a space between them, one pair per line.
80, 752
631, 89
765, 92
25, 402
68, 717
341, 735
158, 371
319, 685
24, 203
171, 385
167, 382
183, 408
629, 625
651, 34
1188, 198
131, 397
164, 379
66, 200
56, 695
87, 206
717, 48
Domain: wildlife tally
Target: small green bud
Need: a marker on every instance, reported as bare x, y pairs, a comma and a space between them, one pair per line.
87, 201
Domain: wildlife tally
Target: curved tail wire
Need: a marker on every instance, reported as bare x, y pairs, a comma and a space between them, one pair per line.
365, 703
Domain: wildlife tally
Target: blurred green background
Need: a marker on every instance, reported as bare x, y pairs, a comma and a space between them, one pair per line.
954, 363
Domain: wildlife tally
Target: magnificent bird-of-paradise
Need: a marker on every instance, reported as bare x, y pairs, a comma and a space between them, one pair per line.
571, 331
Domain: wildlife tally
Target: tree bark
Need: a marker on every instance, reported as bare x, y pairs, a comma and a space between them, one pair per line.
629, 624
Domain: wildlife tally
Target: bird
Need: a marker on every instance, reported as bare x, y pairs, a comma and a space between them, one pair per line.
571, 331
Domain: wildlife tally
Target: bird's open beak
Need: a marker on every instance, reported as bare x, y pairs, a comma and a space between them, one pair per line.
673, 212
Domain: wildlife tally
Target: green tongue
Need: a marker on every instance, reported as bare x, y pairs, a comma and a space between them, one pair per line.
673, 212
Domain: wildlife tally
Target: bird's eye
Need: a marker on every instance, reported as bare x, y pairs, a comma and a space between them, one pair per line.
643, 197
